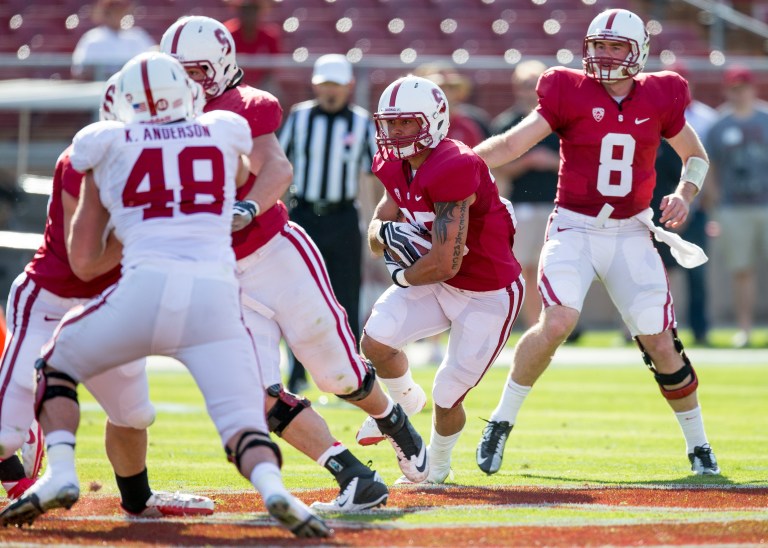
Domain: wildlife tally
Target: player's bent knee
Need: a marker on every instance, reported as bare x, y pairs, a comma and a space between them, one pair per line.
559, 321
65, 387
366, 386
286, 408
686, 374
140, 419
248, 439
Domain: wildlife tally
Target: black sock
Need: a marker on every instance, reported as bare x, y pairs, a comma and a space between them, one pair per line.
134, 491
393, 422
346, 466
11, 469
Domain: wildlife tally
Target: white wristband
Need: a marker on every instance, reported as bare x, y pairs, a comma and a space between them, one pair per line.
257, 206
400, 278
694, 171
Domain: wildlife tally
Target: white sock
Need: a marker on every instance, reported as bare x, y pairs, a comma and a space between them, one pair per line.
692, 425
268, 481
440, 447
512, 399
387, 411
59, 436
403, 390
335, 449
61, 463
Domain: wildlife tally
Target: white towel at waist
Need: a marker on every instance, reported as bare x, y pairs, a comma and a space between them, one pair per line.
688, 255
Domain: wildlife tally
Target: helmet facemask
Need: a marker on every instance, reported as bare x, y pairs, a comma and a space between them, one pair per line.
403, 147
607, 69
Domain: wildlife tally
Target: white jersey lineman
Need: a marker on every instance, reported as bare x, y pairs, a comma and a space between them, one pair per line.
169, 190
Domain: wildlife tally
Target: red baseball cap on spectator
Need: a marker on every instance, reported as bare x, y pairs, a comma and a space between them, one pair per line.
738, 76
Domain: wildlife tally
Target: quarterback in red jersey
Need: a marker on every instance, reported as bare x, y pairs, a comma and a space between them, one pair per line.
610, 119
39, 298
286, 290
468, 281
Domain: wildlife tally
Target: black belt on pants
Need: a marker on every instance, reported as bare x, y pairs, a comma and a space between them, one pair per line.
321, 207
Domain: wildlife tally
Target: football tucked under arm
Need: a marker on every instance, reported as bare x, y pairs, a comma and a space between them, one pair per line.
406, 243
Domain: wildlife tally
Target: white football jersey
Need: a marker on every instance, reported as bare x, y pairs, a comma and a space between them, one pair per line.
169, 188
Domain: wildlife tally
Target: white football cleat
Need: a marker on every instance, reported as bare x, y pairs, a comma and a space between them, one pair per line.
361, 493
410, 449
32, 451
703, 461
296, 517
369, 433
46, 494
438, 473
412, 402
164, 504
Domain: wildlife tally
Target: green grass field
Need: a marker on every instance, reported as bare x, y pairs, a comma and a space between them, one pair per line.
599, 424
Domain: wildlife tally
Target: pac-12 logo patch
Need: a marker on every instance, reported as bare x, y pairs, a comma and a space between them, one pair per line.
598, 113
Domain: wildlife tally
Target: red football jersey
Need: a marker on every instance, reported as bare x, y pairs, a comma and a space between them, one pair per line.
608, 148
264, 114
453, 172
49, 268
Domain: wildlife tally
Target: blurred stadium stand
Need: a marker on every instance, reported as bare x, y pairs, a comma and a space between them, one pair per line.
385, 38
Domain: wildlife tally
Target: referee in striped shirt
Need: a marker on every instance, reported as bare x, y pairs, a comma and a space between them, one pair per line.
331, 144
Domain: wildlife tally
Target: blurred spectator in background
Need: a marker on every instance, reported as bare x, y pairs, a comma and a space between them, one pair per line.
331, 143
103, 50
737, 145
255, 37
470, 124
530, 183
668, 168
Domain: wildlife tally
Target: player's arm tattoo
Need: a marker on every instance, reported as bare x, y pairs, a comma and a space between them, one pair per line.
446, 213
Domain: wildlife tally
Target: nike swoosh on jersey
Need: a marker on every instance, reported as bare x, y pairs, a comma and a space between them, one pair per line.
638, 121
417, 197
47, 318
561, 229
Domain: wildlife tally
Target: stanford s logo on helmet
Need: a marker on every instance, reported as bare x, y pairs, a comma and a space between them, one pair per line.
411, 97
616, 25
154, 88
204, 44
108, 108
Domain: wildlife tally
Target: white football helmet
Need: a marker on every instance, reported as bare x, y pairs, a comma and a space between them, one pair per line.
205, 44
417, 98
616, 25
108, 106
154, 88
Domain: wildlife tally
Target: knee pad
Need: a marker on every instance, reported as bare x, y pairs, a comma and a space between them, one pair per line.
667, 379
46, 392
140, 419
369, 381
287, 408
252, 438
